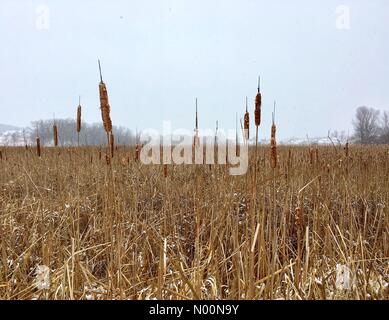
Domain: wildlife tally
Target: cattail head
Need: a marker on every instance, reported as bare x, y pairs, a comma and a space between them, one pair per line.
104, 105
311, 156
258, 104
247, 123
346, 150
38, 146
273, 144
298, 217
165, 170
105, 109
78, 118
137, 152
55, 134
273, 153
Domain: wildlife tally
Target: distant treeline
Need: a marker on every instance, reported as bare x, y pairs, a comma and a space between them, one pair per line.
91, 134
371, 126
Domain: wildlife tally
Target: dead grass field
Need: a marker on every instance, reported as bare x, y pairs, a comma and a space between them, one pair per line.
73, 227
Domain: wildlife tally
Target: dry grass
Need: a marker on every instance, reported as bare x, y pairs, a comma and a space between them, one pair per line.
131, 231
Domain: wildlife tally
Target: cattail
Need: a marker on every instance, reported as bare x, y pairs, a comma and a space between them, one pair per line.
273, 153
78, 118
136, 152
311, 156
196, 140
273, 144
99, 154
289, 157
258, 104
107, 159
104, 105
165, 170
298, 217
346, 150
1, 155
55, 133
111, 143
38, 146
247, 123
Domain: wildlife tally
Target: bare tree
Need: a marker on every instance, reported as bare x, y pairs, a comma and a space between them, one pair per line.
385, 127
366, 125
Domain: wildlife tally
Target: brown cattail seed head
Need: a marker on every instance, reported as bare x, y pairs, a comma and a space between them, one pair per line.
273, 153
247, 125
105, 107
79, 119
136, 152
165, 170
346, 150
257, 112
273, 146
273, 131
298, 218
55, 134
38, 146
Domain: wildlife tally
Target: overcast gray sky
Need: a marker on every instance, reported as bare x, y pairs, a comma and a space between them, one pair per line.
157, 56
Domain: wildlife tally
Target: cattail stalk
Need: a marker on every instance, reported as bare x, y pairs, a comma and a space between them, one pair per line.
196, 137
78, 121
111, 144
